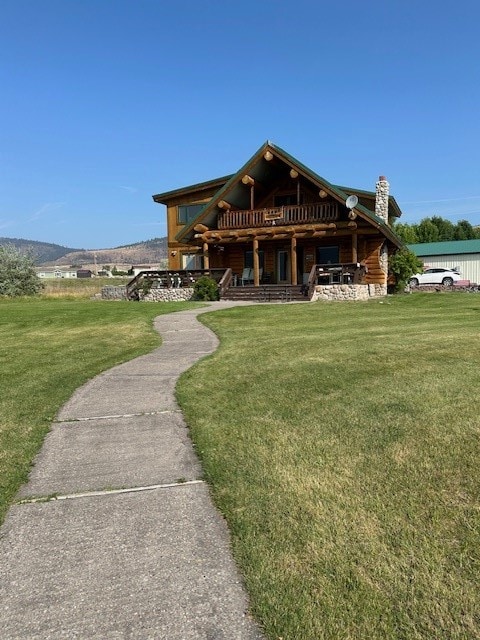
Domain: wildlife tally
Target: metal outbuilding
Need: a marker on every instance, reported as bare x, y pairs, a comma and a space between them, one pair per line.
461, 254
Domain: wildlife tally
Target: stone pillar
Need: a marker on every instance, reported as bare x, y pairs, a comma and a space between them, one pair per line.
381, 210
381, 198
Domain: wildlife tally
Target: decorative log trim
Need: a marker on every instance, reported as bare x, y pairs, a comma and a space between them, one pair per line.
223, 204
201, 227
268, 155
248, 180
268, 231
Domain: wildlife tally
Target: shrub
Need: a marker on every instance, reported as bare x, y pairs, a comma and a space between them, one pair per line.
146, 286
402, 265
17, 273
205, 288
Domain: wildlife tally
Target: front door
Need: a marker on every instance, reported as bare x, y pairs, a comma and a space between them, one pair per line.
283, 267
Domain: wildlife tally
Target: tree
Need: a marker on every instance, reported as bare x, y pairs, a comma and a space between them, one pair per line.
446, 229
427, 231
17, 273
406, 232
402, 265
464, 231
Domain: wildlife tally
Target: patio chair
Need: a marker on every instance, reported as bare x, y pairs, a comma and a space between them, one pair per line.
247, 276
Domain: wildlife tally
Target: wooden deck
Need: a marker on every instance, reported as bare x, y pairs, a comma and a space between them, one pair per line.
286, 215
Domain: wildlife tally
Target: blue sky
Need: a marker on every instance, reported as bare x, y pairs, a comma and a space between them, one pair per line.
106, 102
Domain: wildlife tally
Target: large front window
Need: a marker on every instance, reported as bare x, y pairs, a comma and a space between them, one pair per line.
187, 212
328, 255
192, 261
249, 259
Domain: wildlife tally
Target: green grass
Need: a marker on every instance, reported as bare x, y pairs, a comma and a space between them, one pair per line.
48, 348
342, 442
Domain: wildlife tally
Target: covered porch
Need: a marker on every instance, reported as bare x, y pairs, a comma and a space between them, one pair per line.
281, 254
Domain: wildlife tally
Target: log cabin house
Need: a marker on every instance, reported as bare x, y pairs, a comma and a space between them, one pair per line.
276, 223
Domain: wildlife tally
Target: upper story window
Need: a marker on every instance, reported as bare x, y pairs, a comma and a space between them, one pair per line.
187, 212
284, 199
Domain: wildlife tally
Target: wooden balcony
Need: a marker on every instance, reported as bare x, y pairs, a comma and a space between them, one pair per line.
288, 214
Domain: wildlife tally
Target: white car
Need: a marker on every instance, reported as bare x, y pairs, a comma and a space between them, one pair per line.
435, 275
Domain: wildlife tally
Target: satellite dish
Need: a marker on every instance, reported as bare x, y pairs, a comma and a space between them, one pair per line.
351, 202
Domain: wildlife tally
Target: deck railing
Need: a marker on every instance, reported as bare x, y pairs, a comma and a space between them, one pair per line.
341, 273
288, 214
175, 279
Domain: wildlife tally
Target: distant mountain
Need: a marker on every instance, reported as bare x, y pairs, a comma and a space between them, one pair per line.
42, 251
48, 255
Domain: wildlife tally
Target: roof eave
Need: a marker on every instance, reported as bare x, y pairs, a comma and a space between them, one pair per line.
167, 196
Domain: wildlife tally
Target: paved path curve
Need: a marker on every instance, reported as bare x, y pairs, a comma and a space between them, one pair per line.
126, 550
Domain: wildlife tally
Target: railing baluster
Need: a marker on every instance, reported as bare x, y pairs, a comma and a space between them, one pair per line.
289, 214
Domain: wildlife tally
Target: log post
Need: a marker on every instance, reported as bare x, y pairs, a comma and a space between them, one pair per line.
206, 259
256, 264
293, 261
354, 247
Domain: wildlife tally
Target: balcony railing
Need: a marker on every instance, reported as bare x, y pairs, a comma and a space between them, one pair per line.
288, 214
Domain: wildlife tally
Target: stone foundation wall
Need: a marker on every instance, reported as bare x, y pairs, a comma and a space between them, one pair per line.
154, 295
167, 295
348, 291
111, 292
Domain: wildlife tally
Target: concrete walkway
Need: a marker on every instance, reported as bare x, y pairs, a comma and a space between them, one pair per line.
132, 547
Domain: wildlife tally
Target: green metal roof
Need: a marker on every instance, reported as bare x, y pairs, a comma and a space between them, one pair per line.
449, 247
163, 198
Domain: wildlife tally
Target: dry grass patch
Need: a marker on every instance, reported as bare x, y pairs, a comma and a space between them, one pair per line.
78, 287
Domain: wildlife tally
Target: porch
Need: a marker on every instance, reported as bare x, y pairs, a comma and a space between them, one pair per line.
280, 245
231, 286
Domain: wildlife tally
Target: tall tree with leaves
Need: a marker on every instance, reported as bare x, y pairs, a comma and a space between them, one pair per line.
407, 232
446, 229
464, 231
427, 231
17, 273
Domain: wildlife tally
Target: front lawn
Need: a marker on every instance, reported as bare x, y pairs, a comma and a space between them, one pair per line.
342, 442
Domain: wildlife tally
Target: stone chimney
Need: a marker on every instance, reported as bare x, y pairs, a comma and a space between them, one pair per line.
381, 198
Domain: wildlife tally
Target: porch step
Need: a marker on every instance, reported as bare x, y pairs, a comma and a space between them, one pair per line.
266, 293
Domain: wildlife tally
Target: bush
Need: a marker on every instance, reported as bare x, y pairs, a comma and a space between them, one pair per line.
17, 273
205, 288
146, 286
402, 265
